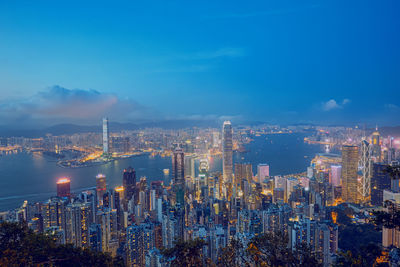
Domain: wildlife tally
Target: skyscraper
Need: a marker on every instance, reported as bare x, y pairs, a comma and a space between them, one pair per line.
227, 151
380, 181
129, 183
349, 173
262, 171
106, 142
178, 174
64, 187
100, 187
243, 175
365, 163
336, 174
376, 146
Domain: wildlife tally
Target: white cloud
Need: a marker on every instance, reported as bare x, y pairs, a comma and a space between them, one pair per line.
58, 104
332, 104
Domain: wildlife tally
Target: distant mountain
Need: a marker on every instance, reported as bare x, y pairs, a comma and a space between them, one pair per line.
61, 129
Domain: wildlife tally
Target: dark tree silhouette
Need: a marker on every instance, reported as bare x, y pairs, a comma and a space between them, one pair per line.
20, 246
233, 255
188, 253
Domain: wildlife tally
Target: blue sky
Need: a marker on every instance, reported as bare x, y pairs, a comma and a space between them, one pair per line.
275, 61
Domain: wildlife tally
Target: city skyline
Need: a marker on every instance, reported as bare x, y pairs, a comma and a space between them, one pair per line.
213, 133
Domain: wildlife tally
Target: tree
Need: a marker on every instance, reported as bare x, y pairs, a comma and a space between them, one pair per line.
189, 253
20, 246
233, 255
271, 249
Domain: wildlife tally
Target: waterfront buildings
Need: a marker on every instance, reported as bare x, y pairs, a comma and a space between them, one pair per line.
64, 187
101, 187
106, 136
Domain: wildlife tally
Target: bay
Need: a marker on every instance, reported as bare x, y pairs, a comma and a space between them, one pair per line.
33, 177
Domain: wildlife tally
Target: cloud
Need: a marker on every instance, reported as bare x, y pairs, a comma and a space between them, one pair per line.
60, 105
346, 101
391, 107
332, 104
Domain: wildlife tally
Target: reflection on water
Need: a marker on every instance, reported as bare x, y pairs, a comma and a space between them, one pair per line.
33, 177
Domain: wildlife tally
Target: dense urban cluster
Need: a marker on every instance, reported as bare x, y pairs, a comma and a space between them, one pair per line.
140, 220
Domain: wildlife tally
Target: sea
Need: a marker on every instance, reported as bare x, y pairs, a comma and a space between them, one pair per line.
33, 176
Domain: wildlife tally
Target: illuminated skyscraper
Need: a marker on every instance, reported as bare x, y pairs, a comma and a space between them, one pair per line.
365, 163
380, 181
100, 187
129, 183
64, 187
262, 172
178, 172
243, 175
77, 216
349, 173
336, 174
227, 151
106, 142
376, 146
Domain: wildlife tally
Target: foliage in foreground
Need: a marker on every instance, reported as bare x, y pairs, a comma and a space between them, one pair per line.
20, 246
262, 250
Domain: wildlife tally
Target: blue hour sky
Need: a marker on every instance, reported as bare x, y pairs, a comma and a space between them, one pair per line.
275, 61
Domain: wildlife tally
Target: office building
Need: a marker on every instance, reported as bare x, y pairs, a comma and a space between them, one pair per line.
101, 187
380, 181
178, 174
129, 184
349, 173
227, 151
262, 172
106, 135
64, 187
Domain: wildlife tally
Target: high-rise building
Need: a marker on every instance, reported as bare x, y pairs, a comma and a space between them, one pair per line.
336, 174
349, 173
106, 141
227, 151
365, 163
101, 187
140, 239
243, 175
376, 145
129, 183
380, 181
215, 139
178, 174
64, 187
77, 217
262, 172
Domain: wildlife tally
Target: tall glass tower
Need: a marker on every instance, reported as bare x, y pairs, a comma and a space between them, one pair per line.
178, 172
349, 173
227, 153
106, 141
